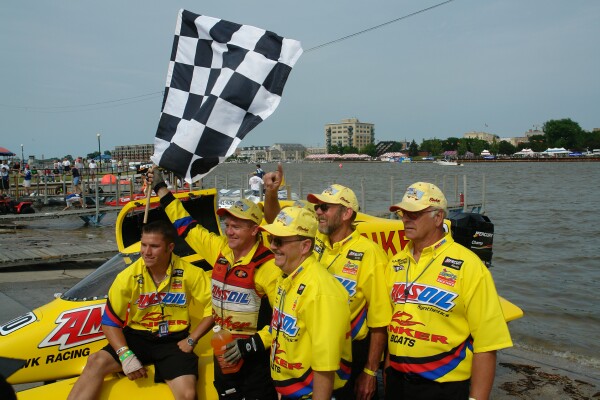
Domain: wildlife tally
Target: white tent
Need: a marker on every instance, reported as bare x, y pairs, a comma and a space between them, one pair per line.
525, 153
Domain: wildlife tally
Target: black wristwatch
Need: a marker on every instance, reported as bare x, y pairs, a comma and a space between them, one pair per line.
191, 341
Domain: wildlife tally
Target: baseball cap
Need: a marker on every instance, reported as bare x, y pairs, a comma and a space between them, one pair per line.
336, 194
292, 221
419, 196
243, 209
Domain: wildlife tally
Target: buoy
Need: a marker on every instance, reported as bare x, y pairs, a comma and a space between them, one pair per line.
340, 165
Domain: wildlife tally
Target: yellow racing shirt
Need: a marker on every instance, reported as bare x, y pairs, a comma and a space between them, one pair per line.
359, 264
135, 301
310, 330
239, 317
445, 309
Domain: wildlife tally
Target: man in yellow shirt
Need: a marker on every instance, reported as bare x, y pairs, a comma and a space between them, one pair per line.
310, 328
146, 319
359, 264
243, 288
447, 322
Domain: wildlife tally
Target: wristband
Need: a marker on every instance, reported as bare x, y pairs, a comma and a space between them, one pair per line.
122, 349
125, 355
158, 186
369, 372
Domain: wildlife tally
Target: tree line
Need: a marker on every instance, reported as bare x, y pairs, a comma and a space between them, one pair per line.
556, 133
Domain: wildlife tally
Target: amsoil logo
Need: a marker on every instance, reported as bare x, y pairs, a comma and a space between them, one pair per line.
76, 327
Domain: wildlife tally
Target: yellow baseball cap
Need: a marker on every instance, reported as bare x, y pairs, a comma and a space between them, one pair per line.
336, 194
293, 221
419, 196
243, 209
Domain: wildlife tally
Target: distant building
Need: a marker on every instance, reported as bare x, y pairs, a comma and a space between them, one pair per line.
276, 152
488, 137
316, 150
349, 132
133, 152
287, 152
515, 141
254, 153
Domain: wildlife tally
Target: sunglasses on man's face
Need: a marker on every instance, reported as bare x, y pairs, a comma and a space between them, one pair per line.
280, 242
324, 206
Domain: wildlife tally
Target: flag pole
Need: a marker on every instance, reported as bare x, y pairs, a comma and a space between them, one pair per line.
148, 195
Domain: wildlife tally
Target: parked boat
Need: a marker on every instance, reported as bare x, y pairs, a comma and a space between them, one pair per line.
448, 162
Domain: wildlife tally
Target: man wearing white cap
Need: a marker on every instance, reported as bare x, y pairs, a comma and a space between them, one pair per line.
359, 264
447, 322
243, 288
310, 328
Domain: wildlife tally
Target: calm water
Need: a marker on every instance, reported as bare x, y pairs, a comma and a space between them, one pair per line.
546, 244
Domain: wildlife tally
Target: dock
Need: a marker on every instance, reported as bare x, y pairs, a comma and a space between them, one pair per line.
55, 253
77, 212
39, 247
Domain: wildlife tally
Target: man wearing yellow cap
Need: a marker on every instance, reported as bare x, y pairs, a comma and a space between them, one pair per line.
243, 288
310, 328
359, 264
447, 322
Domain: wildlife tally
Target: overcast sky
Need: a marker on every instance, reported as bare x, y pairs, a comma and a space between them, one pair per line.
503, 66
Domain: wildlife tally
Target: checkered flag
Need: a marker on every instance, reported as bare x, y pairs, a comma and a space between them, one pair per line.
223, 80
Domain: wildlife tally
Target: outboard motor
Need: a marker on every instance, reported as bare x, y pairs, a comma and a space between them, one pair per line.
475, 232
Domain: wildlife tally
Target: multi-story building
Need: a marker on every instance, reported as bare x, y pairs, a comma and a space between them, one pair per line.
349, 132
133, 152
276, 152
287, 152
488, 137
254, 153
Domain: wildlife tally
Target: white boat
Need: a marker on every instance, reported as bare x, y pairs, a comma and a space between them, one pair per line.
229, 196
448, 162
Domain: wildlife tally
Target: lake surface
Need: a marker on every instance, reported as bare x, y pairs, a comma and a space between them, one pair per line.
547, 234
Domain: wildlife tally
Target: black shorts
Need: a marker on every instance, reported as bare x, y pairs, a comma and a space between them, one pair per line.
252, 381
401, 386
169, 361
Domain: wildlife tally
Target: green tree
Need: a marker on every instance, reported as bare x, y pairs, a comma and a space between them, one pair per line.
591, 140
537, 143
494, 146
462, 147
450, 144
413, 149
349, 150
506, 148
562, 133
432, 146
477, 146
370, 150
